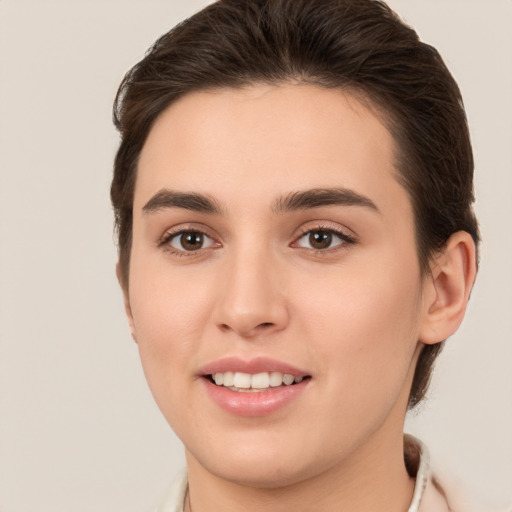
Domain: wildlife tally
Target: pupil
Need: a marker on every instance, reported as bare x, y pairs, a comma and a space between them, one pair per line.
192, 241
320, 239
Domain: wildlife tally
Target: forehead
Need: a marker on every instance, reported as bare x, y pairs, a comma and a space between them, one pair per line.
263, 140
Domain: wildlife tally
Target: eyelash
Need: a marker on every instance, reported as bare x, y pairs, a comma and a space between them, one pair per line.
345, 240
168, 238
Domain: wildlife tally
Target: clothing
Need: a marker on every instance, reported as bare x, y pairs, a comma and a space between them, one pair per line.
428, 494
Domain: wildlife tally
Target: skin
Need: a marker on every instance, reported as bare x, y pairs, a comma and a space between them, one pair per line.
354, 315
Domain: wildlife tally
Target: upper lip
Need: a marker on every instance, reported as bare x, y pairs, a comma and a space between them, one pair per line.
252, 366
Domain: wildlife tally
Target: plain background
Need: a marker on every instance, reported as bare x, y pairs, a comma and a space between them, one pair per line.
78, 428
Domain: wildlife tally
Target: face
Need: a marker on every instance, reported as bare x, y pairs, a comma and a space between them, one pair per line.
272, 243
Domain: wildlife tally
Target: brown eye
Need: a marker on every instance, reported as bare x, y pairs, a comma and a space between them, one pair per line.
190, 241
323, 239
320, 239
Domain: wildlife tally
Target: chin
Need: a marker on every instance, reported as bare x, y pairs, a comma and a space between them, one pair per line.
258, 465
261, 476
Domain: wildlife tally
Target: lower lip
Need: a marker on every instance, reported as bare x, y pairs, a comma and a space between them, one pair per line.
258, 403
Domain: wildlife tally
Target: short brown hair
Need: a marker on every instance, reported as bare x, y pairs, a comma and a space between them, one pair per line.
360, 46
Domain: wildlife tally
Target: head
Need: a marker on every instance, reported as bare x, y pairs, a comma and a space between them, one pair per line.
293, 195
361, 48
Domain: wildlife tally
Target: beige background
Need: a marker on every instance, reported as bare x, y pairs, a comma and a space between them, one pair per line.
78, 428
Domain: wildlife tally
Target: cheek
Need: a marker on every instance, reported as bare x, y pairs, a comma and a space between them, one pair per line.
366, 326
167, 304
170, 315
166, 314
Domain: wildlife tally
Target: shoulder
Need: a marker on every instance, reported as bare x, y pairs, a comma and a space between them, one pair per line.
436, 491
446, 491
173, 500
439, 497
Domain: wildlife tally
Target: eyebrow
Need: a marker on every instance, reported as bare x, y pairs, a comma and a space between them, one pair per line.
318, 197
187, 200
301, 200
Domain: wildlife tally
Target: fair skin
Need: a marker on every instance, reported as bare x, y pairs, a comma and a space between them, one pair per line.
329, 289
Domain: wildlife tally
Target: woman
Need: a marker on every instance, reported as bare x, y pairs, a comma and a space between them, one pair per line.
293, 197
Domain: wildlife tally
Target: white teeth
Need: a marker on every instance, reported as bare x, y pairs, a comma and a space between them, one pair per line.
276, 379
242, 380
259, 381
229, 378
288, 379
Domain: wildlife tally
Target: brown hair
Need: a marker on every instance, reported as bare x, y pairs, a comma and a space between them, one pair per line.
357, 45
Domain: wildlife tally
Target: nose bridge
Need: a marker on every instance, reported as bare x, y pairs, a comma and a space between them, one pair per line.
251, 300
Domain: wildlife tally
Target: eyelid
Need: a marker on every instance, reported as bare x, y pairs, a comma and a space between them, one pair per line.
347, 236
179, 236
175, 231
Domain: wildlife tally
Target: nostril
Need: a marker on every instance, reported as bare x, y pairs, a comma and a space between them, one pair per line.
263, 326
248, 330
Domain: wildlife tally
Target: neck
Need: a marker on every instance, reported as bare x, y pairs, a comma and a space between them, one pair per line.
372, 478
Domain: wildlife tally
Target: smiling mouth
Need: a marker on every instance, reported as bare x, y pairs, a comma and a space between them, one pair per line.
254, 383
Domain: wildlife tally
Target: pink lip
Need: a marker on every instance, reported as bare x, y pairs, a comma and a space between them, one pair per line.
253, 366
258, 403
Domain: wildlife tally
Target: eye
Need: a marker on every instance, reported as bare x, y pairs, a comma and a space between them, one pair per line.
323, 239
189, 241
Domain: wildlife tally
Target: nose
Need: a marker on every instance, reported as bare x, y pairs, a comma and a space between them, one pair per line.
252, 300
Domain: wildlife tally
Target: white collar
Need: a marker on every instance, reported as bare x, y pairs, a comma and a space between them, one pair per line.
417, 460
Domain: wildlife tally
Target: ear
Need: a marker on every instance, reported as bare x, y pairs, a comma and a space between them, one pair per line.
126, 299
447, 288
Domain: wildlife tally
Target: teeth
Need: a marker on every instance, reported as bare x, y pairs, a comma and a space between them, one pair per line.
242, 380
229, 378
288, 379
260, 381
245, 381
276, 379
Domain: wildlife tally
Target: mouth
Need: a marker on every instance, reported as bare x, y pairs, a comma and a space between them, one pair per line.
254, 383
256, 387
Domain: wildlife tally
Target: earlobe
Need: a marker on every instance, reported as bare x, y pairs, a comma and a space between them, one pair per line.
448, 288
126, 300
